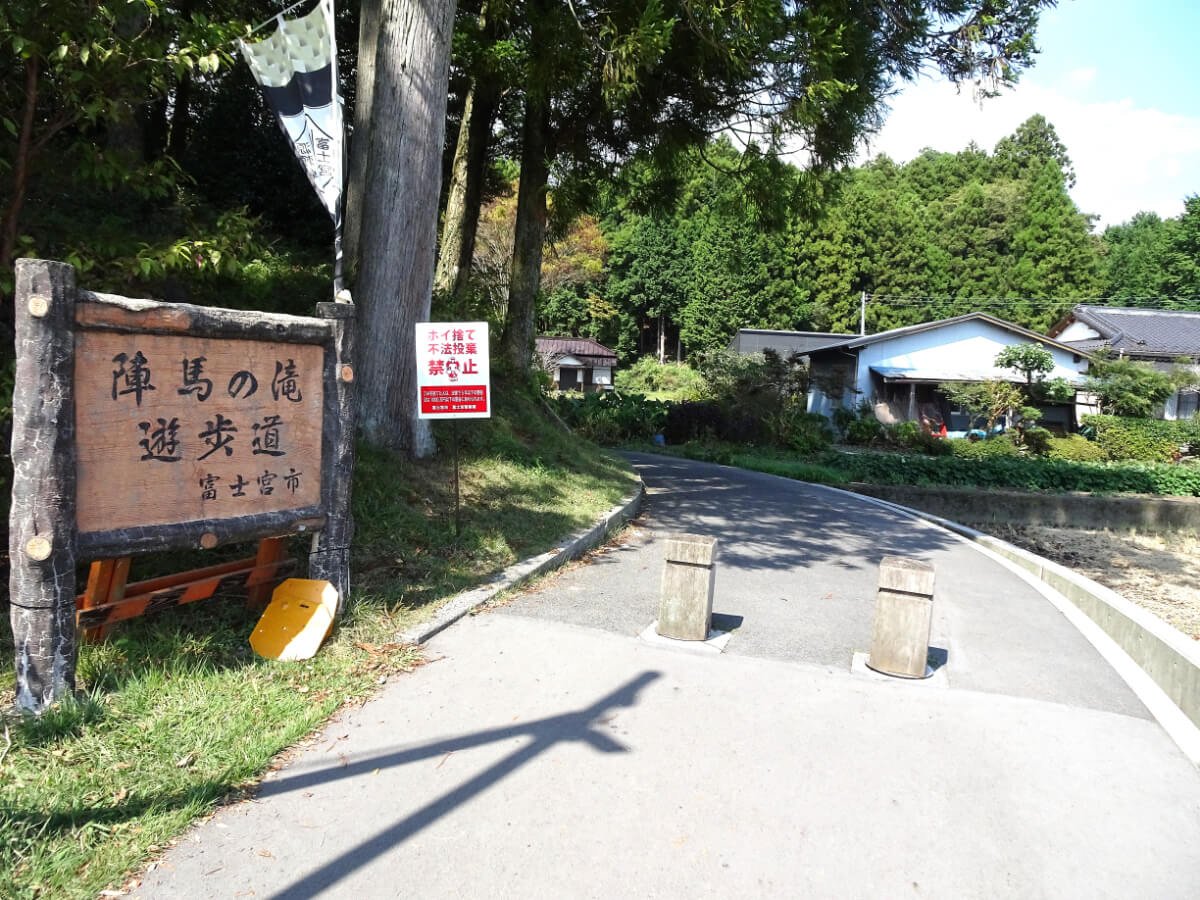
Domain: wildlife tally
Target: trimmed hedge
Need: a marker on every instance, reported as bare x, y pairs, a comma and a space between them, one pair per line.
963, 448
1023, 473
1075, 448
1151, 440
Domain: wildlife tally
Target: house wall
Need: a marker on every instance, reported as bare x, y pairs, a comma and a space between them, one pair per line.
963, 347
1077, 331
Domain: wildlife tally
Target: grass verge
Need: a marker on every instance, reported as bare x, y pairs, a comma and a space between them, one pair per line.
175, 713
1022, 473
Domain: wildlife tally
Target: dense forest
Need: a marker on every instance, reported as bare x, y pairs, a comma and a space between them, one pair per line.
943, 234
657, 211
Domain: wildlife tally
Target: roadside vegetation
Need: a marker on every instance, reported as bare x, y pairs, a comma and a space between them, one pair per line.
176, 714
749, 412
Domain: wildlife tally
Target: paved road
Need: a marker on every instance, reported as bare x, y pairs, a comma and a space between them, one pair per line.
550, 753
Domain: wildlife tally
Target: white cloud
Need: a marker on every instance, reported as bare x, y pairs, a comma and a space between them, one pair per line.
1083, 76
1126, 158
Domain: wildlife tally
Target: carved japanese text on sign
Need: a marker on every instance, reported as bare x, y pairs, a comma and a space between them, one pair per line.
453, 370
177, 429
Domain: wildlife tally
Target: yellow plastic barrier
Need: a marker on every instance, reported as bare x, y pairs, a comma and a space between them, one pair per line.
296, 621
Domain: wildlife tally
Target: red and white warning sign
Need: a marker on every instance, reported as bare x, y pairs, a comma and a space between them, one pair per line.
453, 377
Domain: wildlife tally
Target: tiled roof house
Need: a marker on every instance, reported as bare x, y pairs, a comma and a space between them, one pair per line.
1157, 336
577, 364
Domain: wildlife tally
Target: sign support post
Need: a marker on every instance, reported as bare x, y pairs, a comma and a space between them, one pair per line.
454, 440
453, 379
141, 426
42, 518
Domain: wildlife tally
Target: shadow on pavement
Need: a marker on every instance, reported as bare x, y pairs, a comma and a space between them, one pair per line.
545, 733
767, 523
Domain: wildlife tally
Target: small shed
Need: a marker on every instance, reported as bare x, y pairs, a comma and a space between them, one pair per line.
577, 364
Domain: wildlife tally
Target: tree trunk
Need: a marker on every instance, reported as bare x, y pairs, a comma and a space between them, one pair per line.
461, 219
177, 143
12, 215
360, 143
398, 233
526, 278
662, 339
466, 188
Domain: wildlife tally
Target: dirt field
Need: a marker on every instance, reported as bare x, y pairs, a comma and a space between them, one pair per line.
1160, 573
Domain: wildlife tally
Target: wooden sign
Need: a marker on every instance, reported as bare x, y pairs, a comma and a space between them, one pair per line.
140, 425
175, 429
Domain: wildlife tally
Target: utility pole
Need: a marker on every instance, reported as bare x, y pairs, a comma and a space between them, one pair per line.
862, 313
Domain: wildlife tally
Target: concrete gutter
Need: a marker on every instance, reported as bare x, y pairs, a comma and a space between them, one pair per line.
515, 575
1159, 663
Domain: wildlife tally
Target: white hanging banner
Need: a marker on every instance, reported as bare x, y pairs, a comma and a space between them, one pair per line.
297, 68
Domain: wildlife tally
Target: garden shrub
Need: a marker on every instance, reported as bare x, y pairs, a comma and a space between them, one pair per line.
911, 436
1037, 440
1075, 448
992, 448
809, 433
1151, 440
692, 421
611, 417
649, 376
865, 430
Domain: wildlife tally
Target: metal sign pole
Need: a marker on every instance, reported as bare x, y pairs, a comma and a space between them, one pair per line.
454, 431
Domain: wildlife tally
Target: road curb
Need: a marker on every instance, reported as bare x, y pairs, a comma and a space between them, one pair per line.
515, 575
1160, 665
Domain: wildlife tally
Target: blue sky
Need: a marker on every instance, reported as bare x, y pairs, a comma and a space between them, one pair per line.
1117, 78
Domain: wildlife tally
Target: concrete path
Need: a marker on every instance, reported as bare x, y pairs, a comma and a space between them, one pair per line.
550, 753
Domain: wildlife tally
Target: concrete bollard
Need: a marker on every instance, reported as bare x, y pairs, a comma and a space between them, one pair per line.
903, 617
685, 610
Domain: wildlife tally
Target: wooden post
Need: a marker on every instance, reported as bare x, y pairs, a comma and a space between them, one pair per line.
329, 559
685, 607
106, 584
903, 617
259, 587
42, 519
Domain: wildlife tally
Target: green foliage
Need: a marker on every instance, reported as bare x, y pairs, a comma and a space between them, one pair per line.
1156, 440
1004, 472
864, 430
611, 417
1020, 472
675, 381
1075, 448
985, 401
1033, 361
1036, 440
911, 436
991, 448
765, 389
958, 227
1127, 387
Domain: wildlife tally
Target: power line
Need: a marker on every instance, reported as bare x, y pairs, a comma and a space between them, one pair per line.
1129, 301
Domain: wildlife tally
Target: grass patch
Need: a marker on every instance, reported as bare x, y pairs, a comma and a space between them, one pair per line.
176, 713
